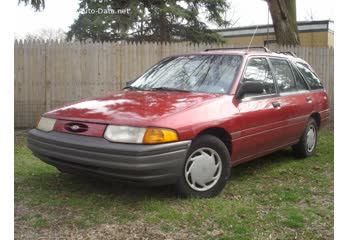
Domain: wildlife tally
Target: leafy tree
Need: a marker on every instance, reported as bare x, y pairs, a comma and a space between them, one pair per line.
150, 20
283, 13
36, 4
164, 20
102, 21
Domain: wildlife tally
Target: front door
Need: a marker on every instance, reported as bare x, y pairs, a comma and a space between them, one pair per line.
261, 115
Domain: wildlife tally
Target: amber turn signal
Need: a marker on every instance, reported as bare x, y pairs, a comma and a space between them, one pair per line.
159, 135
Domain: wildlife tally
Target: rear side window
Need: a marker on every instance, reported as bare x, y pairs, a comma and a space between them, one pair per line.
284, 75
301, 84
258, 70
311, 78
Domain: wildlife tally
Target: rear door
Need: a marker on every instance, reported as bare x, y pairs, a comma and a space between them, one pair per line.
317, 98
295, 99
305, 99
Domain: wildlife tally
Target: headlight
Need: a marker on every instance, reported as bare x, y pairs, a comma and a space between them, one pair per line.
46, 124
127, 134
124, 134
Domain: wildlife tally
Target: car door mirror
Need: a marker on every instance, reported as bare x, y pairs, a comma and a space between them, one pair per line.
250, 87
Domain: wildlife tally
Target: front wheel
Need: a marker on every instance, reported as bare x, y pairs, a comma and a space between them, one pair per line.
206, 169
307, 144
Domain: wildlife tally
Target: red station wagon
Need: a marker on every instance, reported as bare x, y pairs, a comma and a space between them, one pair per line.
188, 120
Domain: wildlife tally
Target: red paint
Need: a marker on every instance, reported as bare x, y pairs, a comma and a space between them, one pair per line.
256, 127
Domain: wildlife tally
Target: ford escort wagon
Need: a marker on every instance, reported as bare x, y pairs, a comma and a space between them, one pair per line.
188, 120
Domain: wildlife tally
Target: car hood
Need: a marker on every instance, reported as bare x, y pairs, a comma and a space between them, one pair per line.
134, 108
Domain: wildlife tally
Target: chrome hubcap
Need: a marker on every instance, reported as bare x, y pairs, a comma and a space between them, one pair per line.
311, 138
203, 169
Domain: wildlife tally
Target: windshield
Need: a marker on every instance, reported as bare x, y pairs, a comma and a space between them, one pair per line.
194, 73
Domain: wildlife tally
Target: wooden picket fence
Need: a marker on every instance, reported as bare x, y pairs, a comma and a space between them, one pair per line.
52, 74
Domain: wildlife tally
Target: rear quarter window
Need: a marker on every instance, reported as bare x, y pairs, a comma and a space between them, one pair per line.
311, 77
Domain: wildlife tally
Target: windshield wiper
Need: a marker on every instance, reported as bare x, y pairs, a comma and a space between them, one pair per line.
133, 88
168, 89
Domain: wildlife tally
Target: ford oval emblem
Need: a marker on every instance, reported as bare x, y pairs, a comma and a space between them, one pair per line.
75, 127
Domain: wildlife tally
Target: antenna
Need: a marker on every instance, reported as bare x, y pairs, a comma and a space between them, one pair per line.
268, 26
251, 40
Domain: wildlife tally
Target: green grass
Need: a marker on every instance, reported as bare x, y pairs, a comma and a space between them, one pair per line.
277, 197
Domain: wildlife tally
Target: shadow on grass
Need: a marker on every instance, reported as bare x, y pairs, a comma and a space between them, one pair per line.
265, 162
85, 185
82, 185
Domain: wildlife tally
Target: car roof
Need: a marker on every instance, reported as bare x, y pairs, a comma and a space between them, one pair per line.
253, 51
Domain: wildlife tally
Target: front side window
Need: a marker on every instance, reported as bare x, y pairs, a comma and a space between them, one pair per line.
284, 75
258, 70
311, 78
195, 73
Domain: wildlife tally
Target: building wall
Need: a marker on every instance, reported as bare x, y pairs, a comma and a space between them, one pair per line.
313, 39
307, 39
245, 40
331, 39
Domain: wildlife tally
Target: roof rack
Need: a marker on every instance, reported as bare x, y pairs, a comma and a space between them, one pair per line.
288, 53
238, 48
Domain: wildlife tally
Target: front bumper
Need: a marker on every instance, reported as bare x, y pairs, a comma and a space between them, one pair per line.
150, 164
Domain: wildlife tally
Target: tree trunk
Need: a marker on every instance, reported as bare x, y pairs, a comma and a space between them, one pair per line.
283, 13
163, 21
163, 28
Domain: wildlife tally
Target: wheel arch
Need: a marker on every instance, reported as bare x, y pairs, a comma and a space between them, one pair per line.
221, 134
317, 117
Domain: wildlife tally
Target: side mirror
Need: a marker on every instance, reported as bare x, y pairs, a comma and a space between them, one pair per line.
250, 87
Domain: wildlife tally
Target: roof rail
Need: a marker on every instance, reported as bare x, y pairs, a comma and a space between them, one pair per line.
288, 53
238, 48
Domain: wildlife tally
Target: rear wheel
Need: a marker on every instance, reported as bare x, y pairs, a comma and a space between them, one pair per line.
206, 169
307, 144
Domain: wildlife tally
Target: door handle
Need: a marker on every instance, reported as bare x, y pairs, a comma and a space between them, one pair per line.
276, 104
308, 99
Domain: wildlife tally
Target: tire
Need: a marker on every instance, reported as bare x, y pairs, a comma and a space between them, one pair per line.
304, 148
207, 155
